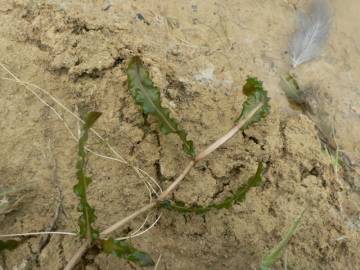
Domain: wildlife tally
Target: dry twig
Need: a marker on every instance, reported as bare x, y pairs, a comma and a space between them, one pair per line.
74, 260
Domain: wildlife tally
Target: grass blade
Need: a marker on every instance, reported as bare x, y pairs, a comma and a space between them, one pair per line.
147, 95
256, 95
123, 249
292, 90
279, 249
87, 216
238, 196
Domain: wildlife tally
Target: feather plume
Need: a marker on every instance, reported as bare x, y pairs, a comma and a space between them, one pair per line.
312, 33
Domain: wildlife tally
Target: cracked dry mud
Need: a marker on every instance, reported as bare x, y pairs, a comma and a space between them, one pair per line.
79, 53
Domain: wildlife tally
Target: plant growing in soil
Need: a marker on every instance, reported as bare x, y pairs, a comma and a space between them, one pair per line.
87, 230
147, 95
306, 45
276, 252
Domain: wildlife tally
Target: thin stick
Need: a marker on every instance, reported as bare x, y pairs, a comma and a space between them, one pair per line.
191, 164
157, 263
119, 158
35, 233
128, 218
177, 181
142, 232
74, 260
150, 177
136, 231
228, 135
28, 85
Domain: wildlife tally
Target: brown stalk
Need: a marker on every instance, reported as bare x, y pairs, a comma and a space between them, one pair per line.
74, 260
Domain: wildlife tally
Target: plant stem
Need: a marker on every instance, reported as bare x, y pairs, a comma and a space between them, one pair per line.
128, 218
191, 164
166, 192
81, 251
228, 135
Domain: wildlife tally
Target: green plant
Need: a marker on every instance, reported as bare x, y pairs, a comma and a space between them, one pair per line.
145, 94
87, 217
121, 249
303, 98
255, 108
292, 90
237, 196
276, 253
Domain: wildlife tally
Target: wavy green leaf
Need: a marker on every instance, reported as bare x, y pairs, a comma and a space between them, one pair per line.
8, 245
147, 95
123, 249
238, 196
87, 216
274, 254
256, 96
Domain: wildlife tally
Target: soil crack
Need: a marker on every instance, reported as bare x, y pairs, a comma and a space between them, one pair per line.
44, 241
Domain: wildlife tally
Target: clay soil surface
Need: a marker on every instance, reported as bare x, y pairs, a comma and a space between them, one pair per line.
199, 54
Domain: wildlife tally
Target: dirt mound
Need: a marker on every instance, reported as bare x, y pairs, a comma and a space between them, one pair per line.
79, 54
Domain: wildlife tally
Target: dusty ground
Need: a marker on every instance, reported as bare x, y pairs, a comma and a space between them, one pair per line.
199, 54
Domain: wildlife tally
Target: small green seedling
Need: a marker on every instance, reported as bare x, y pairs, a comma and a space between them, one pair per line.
147, 95
292, 90
87, 217
276, 253
256, 94
255, 108
121, 249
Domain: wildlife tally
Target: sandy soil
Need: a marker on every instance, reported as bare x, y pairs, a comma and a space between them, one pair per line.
199, 54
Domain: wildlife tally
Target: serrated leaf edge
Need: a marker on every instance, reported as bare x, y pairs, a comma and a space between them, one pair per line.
161, 112
238, 196
87, 216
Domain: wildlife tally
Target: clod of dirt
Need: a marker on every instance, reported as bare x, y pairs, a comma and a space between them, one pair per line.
78, 52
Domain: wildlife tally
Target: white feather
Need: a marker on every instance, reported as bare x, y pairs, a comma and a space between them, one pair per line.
312, 33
